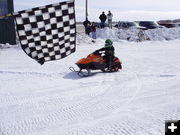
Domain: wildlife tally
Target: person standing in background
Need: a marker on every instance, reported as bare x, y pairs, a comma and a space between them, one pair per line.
93, 30
109, 18
87, 26
103, 18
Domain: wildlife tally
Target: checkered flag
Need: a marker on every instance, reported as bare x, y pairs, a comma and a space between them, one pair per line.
49, 32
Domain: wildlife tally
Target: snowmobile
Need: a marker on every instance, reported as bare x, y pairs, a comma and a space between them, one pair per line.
96, 61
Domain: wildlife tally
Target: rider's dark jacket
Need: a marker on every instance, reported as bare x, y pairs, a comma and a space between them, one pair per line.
109, 53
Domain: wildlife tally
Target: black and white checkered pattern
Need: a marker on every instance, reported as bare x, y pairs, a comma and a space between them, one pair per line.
49, 32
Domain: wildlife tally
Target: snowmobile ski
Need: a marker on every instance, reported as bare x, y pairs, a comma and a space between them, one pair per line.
80, 72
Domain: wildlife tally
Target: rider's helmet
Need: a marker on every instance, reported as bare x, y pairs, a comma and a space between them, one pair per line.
108, 42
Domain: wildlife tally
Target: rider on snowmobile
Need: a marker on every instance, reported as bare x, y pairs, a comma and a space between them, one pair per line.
109, 52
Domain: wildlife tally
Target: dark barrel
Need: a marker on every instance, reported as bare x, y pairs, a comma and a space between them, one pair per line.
7, 26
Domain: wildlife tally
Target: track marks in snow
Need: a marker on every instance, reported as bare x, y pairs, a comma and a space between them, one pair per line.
29, 74
126, 127
94, 105
44, 120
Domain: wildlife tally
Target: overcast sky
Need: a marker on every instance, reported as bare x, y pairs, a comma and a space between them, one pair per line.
128, 10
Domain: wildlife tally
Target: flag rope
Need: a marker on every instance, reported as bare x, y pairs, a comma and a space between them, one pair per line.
4, 16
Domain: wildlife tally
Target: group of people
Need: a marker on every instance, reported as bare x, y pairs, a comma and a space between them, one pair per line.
91, 27
104, 17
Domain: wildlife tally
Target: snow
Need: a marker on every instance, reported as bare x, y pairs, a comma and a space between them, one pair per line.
158, 34
52, 100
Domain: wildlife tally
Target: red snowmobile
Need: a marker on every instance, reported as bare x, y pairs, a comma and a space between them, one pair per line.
96, 61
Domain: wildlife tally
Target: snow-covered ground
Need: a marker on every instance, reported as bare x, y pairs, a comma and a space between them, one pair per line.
158, 34
52, 100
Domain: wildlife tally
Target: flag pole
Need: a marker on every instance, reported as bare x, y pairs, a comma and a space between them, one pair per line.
86, 9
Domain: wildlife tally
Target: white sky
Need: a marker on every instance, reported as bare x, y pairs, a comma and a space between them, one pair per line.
122, 9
